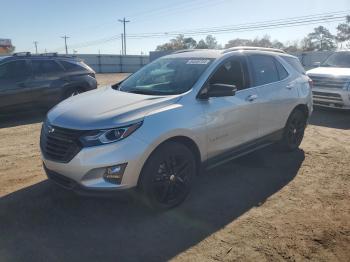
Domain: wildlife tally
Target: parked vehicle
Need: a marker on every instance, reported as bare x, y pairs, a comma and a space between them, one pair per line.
28, 81
332, 81
184, 111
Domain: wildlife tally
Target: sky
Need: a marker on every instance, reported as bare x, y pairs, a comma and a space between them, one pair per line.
94, 22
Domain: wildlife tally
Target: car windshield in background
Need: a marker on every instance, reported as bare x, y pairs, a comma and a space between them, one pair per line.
340, 59
167, 76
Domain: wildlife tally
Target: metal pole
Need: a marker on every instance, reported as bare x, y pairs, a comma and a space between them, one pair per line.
124, 21
122, 37
36, 46
65, 43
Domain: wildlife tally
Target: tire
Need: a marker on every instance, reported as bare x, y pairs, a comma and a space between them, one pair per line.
293, 133
167, 177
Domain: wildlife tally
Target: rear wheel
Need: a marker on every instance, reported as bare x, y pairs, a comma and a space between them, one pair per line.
293, 133
168, 174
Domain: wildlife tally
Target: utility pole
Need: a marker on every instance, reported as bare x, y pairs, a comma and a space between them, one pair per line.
124, 21
122, 37
36, 46
65, 43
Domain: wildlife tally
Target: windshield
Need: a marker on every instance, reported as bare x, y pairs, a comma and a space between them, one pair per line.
340, 59
166, 76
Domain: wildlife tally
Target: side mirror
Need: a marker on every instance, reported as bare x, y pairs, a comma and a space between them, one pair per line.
317, 64
221, 90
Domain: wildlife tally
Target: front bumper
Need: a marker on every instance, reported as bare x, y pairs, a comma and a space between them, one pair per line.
85, 172
331, 98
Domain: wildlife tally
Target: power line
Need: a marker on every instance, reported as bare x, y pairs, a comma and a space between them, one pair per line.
262, 25
65, 43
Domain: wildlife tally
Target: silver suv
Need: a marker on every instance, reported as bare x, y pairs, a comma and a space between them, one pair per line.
191, 109
332, 81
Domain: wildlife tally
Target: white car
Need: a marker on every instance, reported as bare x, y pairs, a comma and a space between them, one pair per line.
332, 81
191, 109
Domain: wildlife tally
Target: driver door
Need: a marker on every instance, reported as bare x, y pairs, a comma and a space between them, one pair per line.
15, 82
233, 120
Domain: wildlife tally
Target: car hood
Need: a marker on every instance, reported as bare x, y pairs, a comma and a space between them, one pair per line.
330, 71
105, 108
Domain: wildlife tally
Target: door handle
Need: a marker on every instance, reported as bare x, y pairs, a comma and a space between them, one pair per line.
289, 86
251, 98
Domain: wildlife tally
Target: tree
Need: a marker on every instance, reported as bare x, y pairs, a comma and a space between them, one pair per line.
321, 39
178, 43
238, 42
209, 43
263, 42
343, 34
277, 44
202, 44
292, 46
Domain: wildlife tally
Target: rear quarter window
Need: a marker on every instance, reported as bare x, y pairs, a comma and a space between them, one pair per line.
282, 72
72, 67
295, 63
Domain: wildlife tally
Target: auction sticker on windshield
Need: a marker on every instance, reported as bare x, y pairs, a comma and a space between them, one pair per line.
198, 62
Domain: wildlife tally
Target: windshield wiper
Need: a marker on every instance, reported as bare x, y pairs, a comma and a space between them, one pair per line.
146, 92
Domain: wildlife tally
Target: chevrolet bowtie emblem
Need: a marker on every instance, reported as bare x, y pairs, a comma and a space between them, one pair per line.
51, 129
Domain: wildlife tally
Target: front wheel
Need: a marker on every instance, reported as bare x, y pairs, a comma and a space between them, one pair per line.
168, 174
293, 133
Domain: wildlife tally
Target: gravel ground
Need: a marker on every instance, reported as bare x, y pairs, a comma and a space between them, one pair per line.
266, 206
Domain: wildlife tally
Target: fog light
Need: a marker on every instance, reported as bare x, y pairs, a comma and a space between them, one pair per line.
114, 174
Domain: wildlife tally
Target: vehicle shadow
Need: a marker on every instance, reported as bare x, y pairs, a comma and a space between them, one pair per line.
46, 223
330, 118
22, 118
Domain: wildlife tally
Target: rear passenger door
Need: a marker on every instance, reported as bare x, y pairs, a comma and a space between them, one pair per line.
48, 81
277, 94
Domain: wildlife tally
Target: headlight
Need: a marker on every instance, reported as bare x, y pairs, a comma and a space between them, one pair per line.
107, 136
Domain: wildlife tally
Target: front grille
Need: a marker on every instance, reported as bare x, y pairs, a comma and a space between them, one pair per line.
329, 82
330, 104
324, 96
59, 144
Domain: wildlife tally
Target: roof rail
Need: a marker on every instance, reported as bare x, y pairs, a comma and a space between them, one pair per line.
187, 50
49, 54
22, 54
237, 48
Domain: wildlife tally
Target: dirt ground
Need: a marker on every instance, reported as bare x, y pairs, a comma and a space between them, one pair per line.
266, 206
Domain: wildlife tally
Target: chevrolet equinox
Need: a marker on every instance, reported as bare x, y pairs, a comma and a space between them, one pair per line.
188, 110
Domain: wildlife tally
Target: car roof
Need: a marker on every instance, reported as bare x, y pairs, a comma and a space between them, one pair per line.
3, 57
216, 54
38, 57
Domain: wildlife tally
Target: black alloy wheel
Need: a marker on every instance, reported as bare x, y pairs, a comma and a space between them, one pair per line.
168, 175
294, 131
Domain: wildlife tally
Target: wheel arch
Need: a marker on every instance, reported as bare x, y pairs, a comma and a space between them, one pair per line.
184, 140
303, 108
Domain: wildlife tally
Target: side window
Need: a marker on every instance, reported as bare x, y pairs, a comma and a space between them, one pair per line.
230, 73
264, 69
17, 70
295, 63
282, 72
72, 67
46, 67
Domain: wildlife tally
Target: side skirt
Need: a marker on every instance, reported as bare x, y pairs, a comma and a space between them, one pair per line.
242, 150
